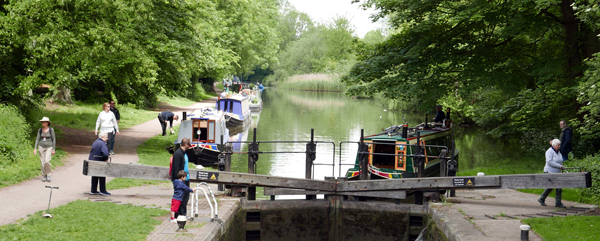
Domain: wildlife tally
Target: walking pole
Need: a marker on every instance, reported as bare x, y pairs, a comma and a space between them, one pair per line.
46, 213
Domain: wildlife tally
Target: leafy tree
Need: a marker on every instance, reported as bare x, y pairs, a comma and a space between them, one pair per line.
374, 37
529, 53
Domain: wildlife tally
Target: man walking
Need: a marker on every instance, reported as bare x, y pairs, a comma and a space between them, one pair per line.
566, 135
165, 116
180, 162
115, 111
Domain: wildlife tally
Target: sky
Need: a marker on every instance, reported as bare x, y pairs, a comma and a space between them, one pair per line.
324, 10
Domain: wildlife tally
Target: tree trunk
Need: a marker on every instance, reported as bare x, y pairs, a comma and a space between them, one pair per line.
64, 95
571, 27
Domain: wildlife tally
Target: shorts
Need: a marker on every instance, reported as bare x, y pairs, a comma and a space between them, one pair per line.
175, 205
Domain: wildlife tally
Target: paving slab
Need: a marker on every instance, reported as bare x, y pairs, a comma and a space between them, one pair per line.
495, 214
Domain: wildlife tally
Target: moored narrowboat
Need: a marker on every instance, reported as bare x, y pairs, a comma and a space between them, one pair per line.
236, 110
204, 128
391, 153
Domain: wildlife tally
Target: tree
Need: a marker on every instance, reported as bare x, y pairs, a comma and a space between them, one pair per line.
528, 52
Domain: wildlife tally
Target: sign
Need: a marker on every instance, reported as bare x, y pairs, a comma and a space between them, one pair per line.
461, 182
211, 176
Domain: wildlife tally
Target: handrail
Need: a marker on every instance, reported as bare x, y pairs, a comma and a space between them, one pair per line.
213, 210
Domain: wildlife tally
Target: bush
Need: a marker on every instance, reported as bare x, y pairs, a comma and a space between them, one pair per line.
589, 164
14, 131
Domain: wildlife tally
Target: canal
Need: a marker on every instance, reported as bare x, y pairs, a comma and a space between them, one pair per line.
290, 115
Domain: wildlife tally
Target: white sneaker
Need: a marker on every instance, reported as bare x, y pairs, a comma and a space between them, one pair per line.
112, 153
173, 221
44, 179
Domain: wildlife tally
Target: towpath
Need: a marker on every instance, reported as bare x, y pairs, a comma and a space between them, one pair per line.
23, 199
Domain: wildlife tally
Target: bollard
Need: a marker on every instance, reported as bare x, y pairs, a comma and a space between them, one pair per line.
525, 232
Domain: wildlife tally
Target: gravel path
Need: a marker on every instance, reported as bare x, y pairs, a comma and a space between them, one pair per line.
23, 199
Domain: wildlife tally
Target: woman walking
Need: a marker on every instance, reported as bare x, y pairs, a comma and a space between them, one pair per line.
107, 123
554, 162
46, 143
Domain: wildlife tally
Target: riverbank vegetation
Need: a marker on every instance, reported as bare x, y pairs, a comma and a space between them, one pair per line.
492, 66
312, 82
86, 220
17, 163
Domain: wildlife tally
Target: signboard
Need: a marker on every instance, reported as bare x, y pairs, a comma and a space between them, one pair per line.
210, 176
461, 182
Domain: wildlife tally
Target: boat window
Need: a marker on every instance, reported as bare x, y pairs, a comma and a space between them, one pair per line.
211, 131
202, 126
231, 106
384, 161
225, 106
401, 160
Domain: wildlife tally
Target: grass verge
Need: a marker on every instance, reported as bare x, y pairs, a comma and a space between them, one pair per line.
86, 220
83, 115
152, 152
25, 169
566, 228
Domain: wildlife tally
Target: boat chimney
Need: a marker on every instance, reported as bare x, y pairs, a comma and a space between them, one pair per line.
184, 116
218, 103
405, 130
425, 121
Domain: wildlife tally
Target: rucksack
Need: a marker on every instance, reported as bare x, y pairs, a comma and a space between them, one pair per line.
50, 130
171, 168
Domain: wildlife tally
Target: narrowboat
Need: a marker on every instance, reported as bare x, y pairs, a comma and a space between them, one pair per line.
391, 152
204, 128
236, 110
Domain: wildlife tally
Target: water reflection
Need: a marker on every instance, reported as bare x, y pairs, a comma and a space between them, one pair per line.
290, 115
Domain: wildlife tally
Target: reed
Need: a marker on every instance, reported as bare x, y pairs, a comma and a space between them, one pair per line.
312, 82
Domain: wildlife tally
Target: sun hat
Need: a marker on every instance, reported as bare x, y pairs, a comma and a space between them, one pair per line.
46, 119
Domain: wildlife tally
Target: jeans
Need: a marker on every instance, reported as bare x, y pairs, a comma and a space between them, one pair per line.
111, 140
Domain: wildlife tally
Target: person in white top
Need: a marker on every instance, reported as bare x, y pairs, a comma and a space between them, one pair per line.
554, 161
107, 123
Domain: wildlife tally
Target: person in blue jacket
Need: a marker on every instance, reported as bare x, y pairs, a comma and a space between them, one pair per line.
99, 152
179, 191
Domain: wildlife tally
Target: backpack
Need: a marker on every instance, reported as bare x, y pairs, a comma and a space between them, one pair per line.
50, 130
171, 168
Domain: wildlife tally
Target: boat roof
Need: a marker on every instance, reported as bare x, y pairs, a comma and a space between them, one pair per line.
235, 97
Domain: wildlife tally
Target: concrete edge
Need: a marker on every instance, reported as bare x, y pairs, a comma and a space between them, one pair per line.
213, 230
453, 224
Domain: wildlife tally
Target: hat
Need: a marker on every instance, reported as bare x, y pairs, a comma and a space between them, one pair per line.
45, 119
438, 106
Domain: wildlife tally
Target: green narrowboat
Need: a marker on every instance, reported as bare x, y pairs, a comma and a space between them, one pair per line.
391, 153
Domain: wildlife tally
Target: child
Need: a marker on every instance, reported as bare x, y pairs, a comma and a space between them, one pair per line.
179, 189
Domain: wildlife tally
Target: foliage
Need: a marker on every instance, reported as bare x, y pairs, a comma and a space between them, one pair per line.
565, 228
13, 133
589, 164
250, 32
130, 51
86, 220
513, 66
325, 48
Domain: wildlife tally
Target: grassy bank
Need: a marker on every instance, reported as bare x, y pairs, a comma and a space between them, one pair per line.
83, 115
27, 168
86, 220
312, 82
152, 152
197, 94
565, 228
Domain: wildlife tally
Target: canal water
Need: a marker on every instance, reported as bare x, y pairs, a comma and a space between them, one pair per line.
335, 118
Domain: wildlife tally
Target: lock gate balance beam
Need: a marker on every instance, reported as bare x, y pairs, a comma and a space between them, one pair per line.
338, 186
